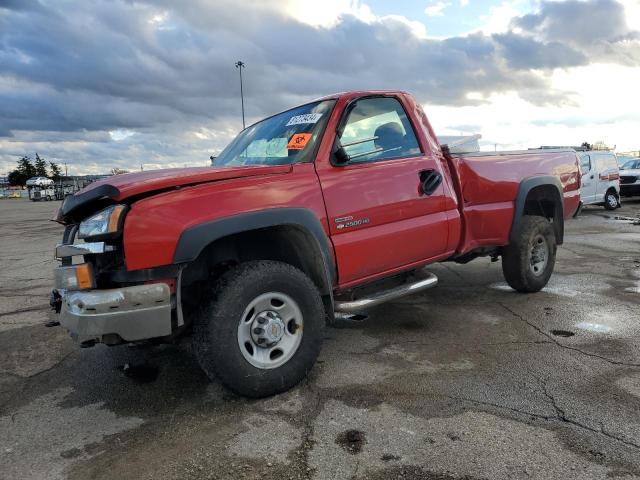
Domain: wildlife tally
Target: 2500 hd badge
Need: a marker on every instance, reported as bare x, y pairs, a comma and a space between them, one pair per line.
346, 222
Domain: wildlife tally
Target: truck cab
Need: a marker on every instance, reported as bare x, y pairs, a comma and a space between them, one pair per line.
40, 188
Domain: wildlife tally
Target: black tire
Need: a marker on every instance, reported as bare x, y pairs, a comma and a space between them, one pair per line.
517, 257
216, 328
611, 201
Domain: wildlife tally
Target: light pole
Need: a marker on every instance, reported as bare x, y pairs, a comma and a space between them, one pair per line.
240, 65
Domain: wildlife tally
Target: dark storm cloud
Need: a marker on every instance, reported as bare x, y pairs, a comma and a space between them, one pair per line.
524, 53
598, 28
19, 4
578, 22
94, 65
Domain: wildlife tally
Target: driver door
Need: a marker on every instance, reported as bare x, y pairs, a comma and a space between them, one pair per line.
380, 219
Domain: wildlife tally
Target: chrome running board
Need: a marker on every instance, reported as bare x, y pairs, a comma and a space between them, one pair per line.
427, 281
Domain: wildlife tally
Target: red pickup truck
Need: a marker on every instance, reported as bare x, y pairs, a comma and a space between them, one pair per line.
298, 220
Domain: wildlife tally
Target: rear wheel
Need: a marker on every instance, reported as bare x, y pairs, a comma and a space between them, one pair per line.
262, 330
611, 201
527, 263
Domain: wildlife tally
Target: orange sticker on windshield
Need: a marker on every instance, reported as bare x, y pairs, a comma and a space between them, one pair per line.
299, 141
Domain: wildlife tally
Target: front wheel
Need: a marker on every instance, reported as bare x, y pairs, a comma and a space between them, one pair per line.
528, 262
262, 330
611, 201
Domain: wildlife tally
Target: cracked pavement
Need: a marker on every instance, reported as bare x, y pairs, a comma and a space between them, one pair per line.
466, 381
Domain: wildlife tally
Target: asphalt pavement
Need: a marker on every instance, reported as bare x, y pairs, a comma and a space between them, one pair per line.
469, 380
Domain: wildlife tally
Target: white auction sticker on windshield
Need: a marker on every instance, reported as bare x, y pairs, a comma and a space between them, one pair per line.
300, 119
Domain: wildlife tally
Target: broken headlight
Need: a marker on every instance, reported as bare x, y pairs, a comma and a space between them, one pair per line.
103, 225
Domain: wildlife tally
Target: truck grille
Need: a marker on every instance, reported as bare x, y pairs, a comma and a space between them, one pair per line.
627, 179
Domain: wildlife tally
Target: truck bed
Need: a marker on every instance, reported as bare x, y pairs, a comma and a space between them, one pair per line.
487, 184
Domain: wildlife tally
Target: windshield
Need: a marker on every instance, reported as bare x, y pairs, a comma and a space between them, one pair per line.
288, 137
631, 165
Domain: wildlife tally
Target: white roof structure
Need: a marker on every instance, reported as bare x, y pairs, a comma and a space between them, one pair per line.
461, 143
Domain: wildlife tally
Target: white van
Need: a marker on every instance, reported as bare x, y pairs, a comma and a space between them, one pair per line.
600, 179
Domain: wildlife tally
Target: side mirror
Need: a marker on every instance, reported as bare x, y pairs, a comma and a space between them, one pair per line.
340, 155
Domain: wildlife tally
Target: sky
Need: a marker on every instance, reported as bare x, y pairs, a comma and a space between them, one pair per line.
102, 84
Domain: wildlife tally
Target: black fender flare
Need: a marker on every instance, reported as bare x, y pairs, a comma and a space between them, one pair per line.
194, 239
524, 189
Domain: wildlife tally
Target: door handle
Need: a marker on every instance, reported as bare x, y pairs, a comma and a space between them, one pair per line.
430, 180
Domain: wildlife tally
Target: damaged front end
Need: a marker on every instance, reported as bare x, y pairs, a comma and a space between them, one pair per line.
97, 299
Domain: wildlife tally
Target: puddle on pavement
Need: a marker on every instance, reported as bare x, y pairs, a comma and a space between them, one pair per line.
562, 333
350, 318
501, 286
140, 373
594, 327
627, 219
351, 440
387, 457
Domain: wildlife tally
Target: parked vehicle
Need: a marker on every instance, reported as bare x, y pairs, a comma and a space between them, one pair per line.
40, 188
630, 178
600, 179
299, 213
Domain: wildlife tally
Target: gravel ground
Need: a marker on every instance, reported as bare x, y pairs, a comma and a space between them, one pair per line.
467, 381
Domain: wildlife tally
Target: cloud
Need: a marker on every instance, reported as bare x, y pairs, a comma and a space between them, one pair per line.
526, 53
436, 9
164, 70
598, 28
467, 129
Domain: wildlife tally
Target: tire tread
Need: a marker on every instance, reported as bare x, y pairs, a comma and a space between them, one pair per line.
515, 256
222, 359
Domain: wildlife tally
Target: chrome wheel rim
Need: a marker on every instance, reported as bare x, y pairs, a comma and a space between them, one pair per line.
270, 330
613, 201
538, 255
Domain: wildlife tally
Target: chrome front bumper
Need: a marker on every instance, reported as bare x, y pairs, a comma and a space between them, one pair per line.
133, 313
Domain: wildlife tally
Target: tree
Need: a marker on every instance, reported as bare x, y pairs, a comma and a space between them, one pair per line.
56, 173
118, 171
24, 172
16, 179
40, 166
26, 167
586, 145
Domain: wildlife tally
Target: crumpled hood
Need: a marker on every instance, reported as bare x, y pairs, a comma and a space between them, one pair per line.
118, 188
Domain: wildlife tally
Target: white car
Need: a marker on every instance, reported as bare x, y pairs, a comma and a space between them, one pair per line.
600, 179
630, 178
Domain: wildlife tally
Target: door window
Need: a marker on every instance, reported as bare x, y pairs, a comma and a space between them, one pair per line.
378, 129
585, 163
